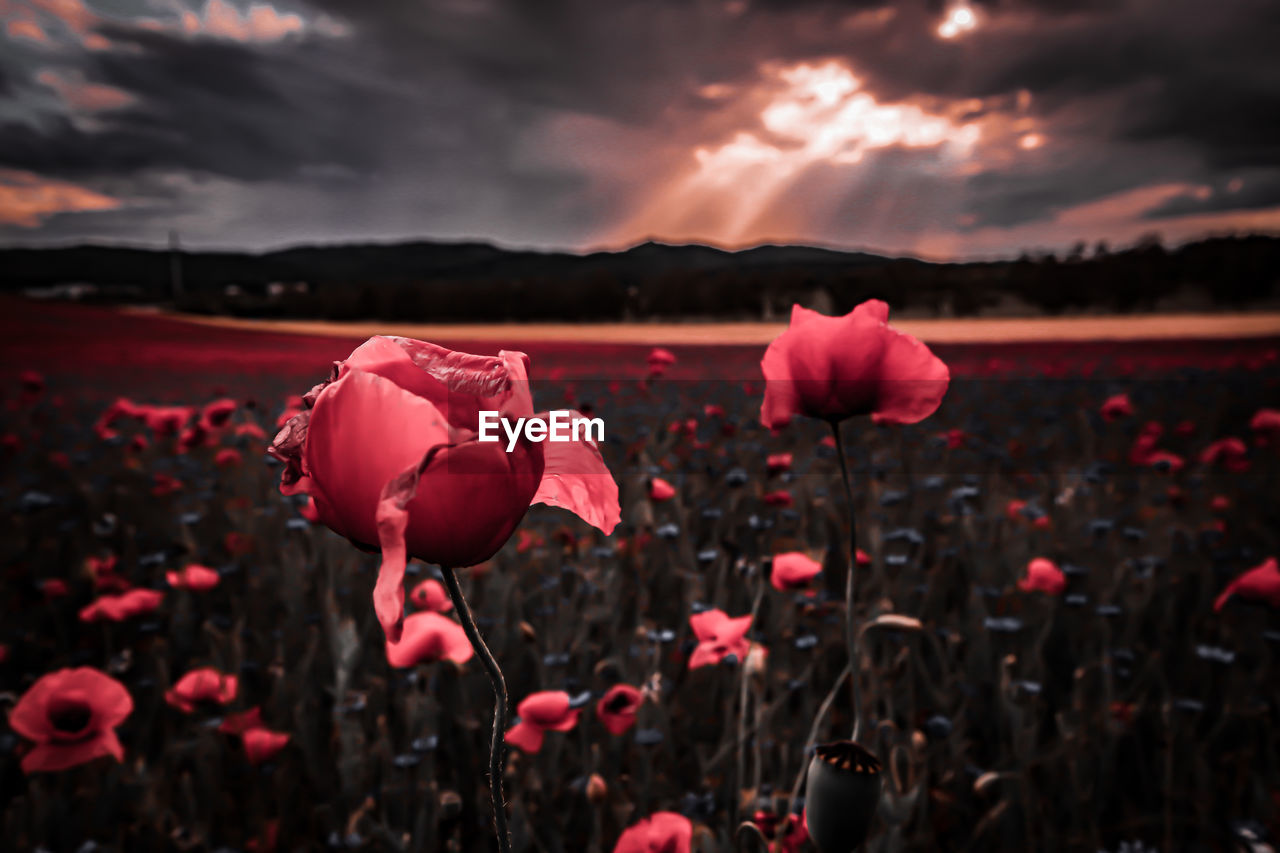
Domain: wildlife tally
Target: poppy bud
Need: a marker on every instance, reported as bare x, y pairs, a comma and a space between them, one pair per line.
597, 790
527, 631
841, 795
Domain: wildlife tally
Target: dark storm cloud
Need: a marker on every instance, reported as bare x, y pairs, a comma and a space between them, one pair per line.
434, 111
217, 107
1247, 195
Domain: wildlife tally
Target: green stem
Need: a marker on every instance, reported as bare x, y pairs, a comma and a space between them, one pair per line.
496, 742
851, 633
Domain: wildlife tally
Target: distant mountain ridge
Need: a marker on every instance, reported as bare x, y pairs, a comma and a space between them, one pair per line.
381, 263
472, 281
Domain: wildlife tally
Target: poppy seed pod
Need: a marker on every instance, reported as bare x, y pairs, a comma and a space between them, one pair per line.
841, 795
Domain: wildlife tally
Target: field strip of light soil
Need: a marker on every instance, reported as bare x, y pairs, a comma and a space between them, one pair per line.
949, 331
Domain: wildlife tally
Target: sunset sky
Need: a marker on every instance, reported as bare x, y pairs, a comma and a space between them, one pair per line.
945, 130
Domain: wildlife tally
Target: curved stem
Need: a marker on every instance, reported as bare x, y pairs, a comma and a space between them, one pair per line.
496, 743
851, 634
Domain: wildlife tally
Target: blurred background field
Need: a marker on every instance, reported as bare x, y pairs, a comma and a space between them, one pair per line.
1123, 711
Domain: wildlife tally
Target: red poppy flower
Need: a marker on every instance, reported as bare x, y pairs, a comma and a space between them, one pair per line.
617, 708
778, 462
250, 430
793, 570
71, 715
1266, 421
54, 588
238, 724
713, 410
429, 637
796, 836
103, 572
661, 490
164, 485
193, 577
1220, 503
781, 497
202, 685
863, 558
227, 457
389, 450
659, 360
1231, 453
1043, 575
838, 367
261, 744
546, 710
217, 414
719, 636
431, 595
661, 832
1261, 583
117, 608
955, 438
1013, 509
1116, 407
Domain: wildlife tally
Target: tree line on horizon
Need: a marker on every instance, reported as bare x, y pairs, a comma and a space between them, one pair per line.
482, 283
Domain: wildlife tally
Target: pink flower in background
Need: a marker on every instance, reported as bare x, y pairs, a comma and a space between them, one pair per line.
202, 685
428, 637
793, 570
71, 716
777, 462
617, 708
659, 360
661, 832
1116, 407
719, 636
389, 451
117, 608
431, 595
193, 577
780, 497
661, 490
1043, 575
834, 368
541, 712
1261, 584
261, 744
1230, 453
228, 457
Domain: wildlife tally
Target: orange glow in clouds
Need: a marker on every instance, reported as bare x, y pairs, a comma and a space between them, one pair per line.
26, 200
960, 20
805, 116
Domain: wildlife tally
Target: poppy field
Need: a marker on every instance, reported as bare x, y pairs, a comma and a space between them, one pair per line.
230, 619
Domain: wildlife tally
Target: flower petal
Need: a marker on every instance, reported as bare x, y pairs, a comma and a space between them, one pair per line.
574, 477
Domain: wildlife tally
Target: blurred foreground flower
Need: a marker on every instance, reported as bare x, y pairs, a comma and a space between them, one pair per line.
429, 637
719, 636
617, 708
1261, 583
661, 832
193, 577
544, 711
117, 608
71, 715
202, 685
1043, 575
793, 570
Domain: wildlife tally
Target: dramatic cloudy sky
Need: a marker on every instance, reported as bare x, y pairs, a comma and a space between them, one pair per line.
925, 127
